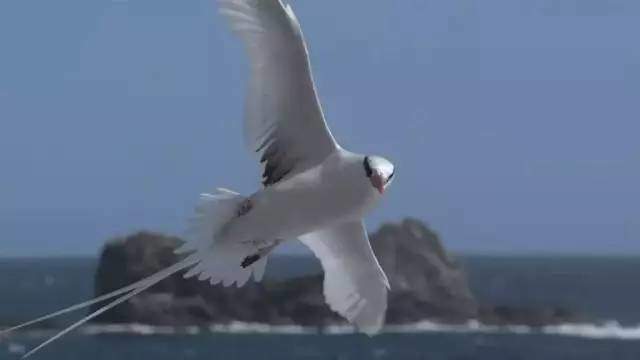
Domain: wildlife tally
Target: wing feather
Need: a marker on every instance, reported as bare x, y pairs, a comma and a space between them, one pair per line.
355, 285
284, 122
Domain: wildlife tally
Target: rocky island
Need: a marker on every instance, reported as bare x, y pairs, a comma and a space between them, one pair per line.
426, 284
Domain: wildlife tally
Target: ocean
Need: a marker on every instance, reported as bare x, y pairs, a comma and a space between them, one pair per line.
602, 288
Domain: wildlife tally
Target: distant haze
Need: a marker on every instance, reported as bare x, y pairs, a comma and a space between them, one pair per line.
513, 125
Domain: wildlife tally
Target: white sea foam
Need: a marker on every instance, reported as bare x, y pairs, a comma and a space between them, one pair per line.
338, 330
606, 330
139, 329
15, 348
238, 327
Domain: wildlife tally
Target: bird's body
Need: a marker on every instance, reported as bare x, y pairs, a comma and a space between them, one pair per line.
335, 191
314, 190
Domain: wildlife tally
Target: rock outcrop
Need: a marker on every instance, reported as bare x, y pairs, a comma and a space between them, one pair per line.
426, 283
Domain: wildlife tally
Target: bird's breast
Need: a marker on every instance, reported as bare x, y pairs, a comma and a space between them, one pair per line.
320, 197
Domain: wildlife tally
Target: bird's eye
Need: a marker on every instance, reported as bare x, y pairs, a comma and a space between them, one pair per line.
390, 176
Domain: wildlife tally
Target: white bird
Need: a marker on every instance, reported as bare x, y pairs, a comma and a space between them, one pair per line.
314, 190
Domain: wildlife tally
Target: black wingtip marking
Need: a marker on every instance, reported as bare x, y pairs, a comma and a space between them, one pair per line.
249, 260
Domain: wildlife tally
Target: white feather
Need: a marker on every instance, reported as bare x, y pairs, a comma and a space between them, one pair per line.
355, 285
282, 106
219, 259
128, 291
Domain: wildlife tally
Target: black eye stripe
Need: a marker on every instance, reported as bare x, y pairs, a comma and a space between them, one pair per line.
367, 167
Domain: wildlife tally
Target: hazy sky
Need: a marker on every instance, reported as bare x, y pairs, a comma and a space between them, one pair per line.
513, 124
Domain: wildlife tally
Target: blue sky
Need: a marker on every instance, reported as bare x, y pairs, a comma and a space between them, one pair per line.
513, 124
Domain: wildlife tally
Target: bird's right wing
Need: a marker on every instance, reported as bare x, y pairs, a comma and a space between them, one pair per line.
354, 284
284, 123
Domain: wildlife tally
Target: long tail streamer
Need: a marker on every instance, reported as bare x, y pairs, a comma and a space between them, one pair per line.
127, 292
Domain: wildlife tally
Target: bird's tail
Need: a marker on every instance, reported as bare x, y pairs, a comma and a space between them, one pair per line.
224, 262
122, 294
218, 262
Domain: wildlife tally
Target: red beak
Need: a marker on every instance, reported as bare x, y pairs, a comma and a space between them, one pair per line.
378, 182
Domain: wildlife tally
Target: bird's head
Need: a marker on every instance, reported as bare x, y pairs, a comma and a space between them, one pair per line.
379, 171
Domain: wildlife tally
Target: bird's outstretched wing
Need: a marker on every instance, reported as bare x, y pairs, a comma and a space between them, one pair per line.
354, 284
284, 123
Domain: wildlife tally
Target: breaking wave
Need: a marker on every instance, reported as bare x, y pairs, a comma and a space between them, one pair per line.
606, 330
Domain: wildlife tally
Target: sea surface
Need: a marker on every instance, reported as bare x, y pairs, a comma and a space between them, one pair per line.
606, 289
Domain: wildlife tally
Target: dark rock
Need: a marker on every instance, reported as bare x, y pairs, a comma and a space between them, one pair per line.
426, 283
127, 260
535, 317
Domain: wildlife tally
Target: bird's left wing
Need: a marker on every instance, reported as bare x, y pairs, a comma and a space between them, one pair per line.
355, 285
283, 123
